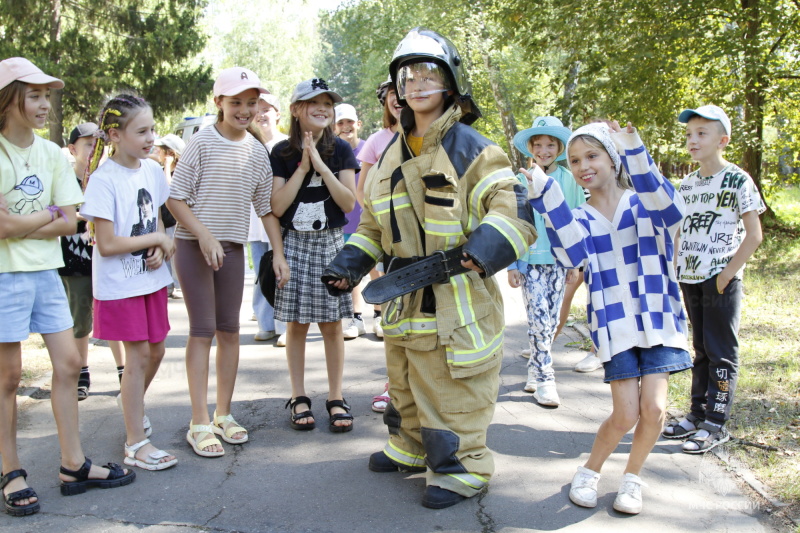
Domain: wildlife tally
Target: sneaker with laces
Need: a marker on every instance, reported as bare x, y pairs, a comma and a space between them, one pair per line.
530, 385
629, 498
546, 394
590, 363
355, 328
377, 329
281, 342
583, 490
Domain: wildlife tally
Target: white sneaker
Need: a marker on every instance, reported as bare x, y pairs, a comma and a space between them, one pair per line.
583, 491
629, 498
355, 328
590, 363
526, 353
265, 335
546, 394
530, 385
281, 341
376, 327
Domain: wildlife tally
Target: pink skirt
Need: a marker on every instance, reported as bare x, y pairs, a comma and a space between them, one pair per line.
141, 318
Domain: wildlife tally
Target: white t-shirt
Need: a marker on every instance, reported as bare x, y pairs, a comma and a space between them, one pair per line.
131, 200
712, 228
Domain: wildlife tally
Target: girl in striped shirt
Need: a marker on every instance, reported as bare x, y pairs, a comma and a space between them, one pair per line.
624, 240
224, 170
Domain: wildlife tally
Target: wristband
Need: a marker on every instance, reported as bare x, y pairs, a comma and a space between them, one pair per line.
55, 209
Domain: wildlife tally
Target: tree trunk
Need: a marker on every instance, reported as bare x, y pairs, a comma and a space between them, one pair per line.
755, 82
57, 111
506, 114
570, 84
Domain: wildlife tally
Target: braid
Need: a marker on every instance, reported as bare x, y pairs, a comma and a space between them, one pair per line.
115, 114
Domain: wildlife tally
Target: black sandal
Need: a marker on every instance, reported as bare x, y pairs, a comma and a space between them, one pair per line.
10, 500
116, 478
330, 404
300, 416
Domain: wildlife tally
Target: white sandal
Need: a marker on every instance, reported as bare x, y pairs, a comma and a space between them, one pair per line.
153, 461
233, 429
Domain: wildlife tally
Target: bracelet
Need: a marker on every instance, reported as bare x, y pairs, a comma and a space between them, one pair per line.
55, 209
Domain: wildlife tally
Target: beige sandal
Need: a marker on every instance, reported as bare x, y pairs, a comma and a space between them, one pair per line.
201, 429
233, 429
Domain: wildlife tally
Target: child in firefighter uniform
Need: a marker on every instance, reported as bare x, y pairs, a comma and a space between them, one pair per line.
441, 192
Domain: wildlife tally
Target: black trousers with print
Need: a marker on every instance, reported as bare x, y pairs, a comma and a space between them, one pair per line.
715, 326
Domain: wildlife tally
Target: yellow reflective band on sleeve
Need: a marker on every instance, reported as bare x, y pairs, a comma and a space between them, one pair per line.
471, 480
468, 357
401, 201
367, 245
410, 326
443, 228
480, 189
404, 458
462, 294
509, 231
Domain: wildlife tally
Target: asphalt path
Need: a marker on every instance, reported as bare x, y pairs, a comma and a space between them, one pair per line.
317, 481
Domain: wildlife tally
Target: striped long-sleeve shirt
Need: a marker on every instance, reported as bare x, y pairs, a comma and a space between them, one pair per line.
634, 297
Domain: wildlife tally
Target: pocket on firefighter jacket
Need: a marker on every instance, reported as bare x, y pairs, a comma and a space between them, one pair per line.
474, 346
443, 209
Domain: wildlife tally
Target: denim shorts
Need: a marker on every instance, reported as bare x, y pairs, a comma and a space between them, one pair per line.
637, 362
33, 302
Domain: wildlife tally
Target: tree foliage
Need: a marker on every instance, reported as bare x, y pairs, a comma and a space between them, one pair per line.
101, 47
628, 59
276, 39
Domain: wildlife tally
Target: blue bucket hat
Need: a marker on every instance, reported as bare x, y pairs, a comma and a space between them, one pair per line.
543, 126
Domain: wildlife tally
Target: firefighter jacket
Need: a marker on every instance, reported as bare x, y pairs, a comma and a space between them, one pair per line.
459, 191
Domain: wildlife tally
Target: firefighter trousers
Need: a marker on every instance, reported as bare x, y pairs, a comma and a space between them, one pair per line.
438, 421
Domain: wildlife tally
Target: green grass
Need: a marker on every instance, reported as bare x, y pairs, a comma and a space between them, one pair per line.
766, 411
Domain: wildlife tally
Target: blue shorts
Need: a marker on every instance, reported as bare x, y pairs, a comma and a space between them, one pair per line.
33, 302
637, 362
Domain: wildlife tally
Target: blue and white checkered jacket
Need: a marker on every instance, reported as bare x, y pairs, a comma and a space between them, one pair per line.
634, 297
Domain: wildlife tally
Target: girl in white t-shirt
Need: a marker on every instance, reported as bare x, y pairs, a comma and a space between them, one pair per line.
129, 273
38, 195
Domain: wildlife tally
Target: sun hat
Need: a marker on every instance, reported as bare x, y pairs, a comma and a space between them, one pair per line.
308, 89
272, 100
345, 111
86, 129
173, 142
19, 68
543, 126
236, 80
710, 112
602, 133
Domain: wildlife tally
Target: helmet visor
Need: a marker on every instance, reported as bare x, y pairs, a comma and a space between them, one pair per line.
421, 79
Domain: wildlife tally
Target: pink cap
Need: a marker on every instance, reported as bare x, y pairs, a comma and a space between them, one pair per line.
19, 68
236, 80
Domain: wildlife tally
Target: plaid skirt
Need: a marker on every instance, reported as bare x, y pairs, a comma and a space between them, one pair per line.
305, 299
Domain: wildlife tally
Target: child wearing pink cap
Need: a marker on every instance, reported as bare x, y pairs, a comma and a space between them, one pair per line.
224, 170
38, 195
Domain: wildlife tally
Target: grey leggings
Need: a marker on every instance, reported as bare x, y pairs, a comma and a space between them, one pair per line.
213, 299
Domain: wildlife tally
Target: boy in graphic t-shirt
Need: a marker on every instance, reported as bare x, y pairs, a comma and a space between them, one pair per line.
720, 232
